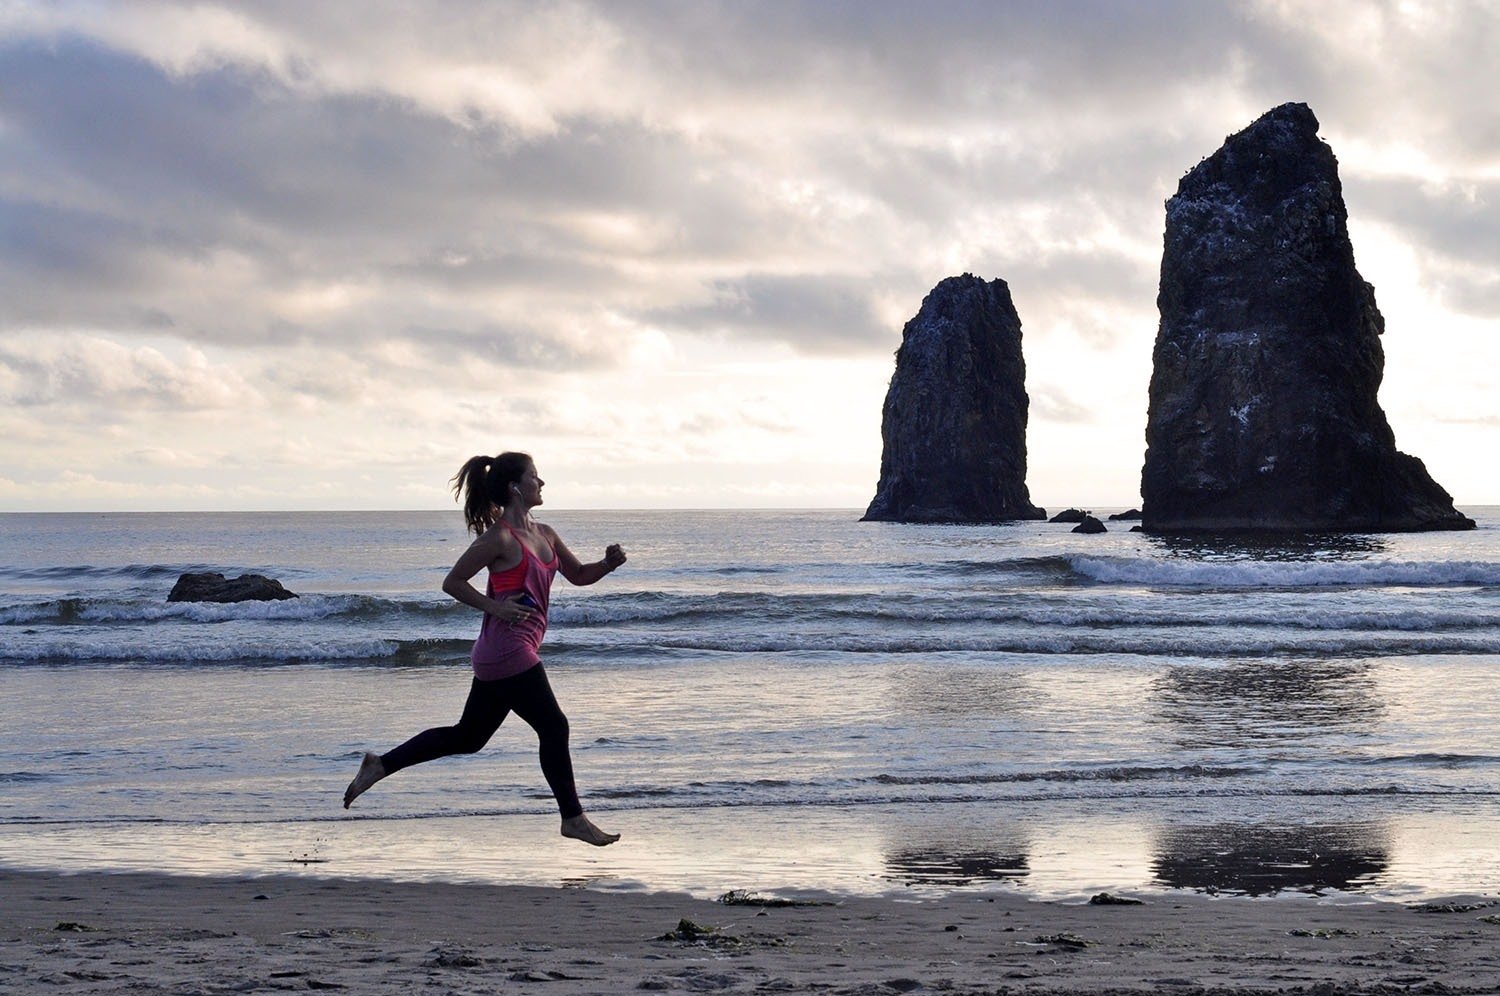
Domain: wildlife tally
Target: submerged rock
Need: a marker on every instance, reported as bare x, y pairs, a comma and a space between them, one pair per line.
954, 421
208, 587
1263, 412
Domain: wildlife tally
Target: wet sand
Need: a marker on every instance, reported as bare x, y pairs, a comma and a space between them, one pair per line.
102, 933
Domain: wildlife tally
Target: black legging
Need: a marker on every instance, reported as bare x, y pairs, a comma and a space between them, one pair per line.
527, 694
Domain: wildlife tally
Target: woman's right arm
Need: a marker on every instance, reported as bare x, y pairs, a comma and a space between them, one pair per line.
483, 552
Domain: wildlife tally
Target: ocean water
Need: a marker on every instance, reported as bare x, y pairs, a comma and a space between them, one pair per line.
784, 701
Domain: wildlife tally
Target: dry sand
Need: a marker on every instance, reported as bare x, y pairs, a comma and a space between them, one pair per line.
99, 933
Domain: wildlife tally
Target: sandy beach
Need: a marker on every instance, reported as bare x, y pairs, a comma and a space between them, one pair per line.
100, 933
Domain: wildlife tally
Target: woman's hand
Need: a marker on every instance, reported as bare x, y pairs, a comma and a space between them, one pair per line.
516, 608
614, 555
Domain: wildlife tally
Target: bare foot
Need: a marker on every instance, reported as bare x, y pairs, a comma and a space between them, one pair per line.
370, 772
580, 828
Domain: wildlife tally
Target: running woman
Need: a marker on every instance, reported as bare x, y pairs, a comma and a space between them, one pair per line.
522, 555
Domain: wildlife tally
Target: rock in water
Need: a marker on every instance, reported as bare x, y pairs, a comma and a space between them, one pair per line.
954, 422
1263, 411
207, 587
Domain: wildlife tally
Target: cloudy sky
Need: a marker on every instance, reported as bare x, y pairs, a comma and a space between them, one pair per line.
293, 255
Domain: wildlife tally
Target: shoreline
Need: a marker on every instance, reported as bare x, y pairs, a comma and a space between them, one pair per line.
1047, 852
112, 932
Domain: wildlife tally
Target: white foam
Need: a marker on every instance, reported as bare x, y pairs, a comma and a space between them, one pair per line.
1279, 574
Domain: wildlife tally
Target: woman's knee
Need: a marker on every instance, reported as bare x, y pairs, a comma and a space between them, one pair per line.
554, 731
469, 740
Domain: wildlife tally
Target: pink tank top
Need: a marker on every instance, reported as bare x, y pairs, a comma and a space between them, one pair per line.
503, 649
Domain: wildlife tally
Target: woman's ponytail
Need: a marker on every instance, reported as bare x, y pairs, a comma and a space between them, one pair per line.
483, 485
469, 485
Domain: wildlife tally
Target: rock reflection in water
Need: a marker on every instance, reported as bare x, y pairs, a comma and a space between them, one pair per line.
1277, 547
934, 867
1257, 860
1260, 702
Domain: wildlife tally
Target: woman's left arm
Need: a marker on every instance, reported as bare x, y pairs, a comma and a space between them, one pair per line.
582, 574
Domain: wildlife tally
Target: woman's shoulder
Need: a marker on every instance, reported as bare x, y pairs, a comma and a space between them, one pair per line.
497, 537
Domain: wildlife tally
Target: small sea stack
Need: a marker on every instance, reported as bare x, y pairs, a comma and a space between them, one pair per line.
1263, 411
954, 421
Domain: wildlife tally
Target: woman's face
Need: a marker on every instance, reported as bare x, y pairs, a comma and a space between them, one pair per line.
529, 488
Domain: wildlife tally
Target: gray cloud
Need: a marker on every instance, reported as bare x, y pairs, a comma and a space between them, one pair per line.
827, 311
143, 176
1454, 224
1474, 294
104, 374
1457, 220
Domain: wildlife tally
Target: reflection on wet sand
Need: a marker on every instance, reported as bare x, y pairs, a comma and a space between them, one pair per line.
1256, 703
1253, 860
918, 854
954, 868
965, 690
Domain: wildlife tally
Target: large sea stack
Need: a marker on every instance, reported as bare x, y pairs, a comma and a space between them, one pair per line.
954, 422
1263, 411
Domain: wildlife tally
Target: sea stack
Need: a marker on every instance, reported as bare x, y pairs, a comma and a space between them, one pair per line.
954, 421
1263, 412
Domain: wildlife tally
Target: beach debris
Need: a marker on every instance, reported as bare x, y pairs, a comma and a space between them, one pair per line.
1492, 918
328, 933
442, 957
687, 930
702, 980
1106, 899
535, 976
307, 980
212, 587
196, 934
1070, 941
1451, 907
70, 926
1322, 932
744, 897
313, 855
